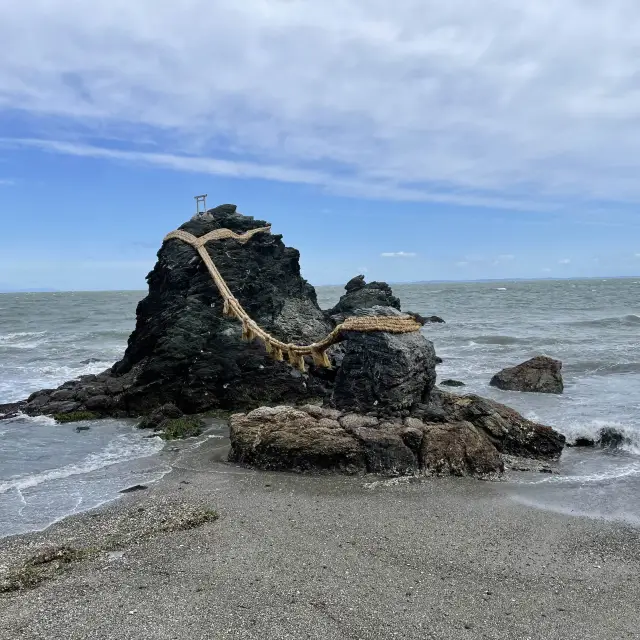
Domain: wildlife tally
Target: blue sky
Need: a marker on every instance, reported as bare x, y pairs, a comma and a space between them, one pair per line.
414, 140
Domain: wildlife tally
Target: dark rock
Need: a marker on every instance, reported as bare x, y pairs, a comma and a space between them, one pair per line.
136, 487
452, 383
582, 442
90, 361
364, 296
459, 449
506, 429
79, 429
185, 351
385, 452
384, 372
44, 393
540, 374
10, 410
611, 438
62, 394
99, 404
59, 407
439, 360
165, 412
355, 284
425, 319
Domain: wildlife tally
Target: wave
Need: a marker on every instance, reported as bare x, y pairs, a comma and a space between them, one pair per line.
121, 449
598, 368
629, 320
22, 340
631, 435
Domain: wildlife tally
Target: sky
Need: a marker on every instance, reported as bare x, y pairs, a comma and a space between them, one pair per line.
409, 140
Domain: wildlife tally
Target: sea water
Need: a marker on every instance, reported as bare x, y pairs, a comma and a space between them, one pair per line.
48, 471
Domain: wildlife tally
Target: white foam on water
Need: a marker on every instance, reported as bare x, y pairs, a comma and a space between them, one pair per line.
121, 449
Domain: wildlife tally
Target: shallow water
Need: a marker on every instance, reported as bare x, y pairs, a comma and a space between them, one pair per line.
48, 471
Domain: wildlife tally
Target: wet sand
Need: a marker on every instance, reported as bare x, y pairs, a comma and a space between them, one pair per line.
325, 557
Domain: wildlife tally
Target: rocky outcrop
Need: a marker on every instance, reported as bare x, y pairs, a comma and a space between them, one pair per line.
384, 373
506, 429
540, 374
186, 352
313, 438
361, 295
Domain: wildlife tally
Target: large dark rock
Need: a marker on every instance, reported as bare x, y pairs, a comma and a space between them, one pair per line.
184, 351
384, 373
540, 374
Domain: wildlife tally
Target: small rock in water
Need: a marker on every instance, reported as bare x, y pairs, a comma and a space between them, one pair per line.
540, 374
82, 428
452, 383
136, 487
611, 438
583, 442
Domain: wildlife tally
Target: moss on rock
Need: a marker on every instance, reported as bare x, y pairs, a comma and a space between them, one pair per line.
75, 416
180, 428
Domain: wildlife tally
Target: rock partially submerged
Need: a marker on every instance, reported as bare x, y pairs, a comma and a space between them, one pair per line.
607, 438
452, 383
540, 374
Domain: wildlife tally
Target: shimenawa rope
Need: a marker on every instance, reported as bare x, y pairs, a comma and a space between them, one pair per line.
276, 348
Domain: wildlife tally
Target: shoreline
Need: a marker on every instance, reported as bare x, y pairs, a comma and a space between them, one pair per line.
324, 557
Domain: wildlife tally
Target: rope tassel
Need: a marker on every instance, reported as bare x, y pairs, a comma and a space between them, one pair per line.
321, 359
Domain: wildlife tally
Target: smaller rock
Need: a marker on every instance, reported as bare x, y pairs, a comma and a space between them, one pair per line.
452, 383
62, 394
439, 360
611, 438
100, 404
582, 442
165, 412
83, 428
136, 487
540, 374
355, 284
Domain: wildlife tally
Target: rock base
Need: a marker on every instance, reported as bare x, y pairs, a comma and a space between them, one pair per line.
464, 443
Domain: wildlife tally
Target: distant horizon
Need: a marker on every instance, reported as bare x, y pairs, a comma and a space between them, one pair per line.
391, 283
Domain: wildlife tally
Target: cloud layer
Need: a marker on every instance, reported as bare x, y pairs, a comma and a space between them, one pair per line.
515, 105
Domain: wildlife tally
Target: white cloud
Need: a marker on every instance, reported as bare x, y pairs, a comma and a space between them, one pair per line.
564, 261
546, 270
637, 255
398, 254
506, 257
470, 103
462, 263
6, 182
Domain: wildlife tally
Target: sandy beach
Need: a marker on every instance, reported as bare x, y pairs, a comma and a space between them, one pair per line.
291, 556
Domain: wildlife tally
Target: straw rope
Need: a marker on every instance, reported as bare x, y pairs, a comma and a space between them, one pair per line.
276, 348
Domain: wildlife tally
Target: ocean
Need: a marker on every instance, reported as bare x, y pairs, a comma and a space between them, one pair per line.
49, 471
